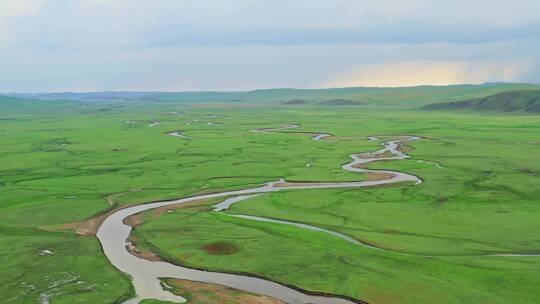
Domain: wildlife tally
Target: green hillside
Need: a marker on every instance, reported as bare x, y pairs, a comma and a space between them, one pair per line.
512, 101
404, 97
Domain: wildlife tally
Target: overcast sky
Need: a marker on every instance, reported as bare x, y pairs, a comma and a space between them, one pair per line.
178, 45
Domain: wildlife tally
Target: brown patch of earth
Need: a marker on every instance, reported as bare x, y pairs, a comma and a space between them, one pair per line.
377, 176
368, 155
197, 292
143, 254
87, 227
90, 226
404, 148
139, 218
220, 248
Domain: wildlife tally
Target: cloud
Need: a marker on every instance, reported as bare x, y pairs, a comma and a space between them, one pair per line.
145, 24
12, 9
248, 44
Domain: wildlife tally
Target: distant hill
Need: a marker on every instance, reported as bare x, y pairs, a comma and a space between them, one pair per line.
342, 102
29, 107
409, 97
295, 102
511, 101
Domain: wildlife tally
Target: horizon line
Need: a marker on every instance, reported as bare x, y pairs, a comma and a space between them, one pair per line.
268, 89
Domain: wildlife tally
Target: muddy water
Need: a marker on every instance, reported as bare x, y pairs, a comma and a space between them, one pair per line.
113, 235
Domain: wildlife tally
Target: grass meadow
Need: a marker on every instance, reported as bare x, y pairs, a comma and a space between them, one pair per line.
70, 161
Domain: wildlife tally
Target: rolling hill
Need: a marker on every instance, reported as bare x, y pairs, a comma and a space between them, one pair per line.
410, 97
511, 101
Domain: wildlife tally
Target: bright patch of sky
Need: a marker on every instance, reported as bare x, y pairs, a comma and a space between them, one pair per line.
174, 45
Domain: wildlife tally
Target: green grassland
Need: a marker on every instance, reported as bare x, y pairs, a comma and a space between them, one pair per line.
61, 161
527, 101
484, 200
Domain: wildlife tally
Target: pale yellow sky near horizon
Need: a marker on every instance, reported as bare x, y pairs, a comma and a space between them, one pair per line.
413, 73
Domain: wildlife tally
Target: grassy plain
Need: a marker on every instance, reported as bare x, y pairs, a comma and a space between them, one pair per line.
484, 200
68, 161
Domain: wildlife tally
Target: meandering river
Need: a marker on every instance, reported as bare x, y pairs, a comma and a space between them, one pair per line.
113, 234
